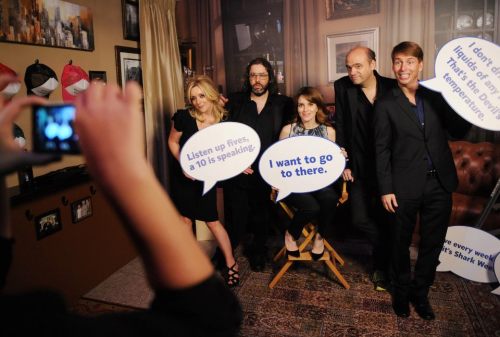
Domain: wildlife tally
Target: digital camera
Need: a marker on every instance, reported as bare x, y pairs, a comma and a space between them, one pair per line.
53, 130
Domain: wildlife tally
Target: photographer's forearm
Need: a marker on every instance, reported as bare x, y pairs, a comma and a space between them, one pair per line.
172, 256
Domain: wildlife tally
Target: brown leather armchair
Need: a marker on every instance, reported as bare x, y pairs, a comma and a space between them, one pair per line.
478, 169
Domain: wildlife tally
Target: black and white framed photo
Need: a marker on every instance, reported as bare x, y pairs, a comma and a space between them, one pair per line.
47, 223
130, 12
81, 209
128, 65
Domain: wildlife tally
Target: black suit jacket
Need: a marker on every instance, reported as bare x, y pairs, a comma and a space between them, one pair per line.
402, 144
346, 112
281, 108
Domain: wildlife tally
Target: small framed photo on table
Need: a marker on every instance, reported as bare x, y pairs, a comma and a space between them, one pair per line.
81, 209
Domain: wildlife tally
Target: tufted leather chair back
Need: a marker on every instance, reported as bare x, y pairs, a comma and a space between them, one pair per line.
478, 167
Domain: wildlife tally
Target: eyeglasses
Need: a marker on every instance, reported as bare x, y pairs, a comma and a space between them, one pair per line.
253, 76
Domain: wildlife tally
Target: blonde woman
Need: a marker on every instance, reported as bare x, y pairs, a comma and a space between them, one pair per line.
206, 109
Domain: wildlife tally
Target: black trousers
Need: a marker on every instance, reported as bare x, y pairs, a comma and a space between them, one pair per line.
434, 207
248, 209
320, 205
370, 218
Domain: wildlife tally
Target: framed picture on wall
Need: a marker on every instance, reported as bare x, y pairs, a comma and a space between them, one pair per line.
48, 23
339, 9
81, 209
128, 65
130, 14
47, 223
98, 75
337, 46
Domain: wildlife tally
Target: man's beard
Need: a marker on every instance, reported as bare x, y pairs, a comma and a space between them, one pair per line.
262, 92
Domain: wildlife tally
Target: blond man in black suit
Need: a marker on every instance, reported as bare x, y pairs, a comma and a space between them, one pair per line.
416, 175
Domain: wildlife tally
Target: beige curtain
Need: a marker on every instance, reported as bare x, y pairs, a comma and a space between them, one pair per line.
162, 77
294, 34
409, 20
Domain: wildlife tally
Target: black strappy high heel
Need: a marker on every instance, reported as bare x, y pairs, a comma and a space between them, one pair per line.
232, 276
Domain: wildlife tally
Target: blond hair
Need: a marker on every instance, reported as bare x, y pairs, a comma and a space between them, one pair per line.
207, 86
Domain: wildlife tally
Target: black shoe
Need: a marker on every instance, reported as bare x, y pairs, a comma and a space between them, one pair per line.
423, 308
232, 275
401, 307
288, 242
257, 262
316, 257
293, 253
379, 281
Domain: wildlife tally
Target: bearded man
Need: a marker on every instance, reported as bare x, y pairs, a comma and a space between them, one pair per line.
260, 106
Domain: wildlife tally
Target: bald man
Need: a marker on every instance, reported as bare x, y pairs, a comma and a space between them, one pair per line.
355, 96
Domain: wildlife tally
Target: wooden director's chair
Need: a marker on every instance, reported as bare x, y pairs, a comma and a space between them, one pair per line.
330, 257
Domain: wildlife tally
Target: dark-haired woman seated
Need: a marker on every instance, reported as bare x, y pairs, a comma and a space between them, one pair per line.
310, 119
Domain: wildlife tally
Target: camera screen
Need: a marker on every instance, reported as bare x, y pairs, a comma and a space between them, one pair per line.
53, 129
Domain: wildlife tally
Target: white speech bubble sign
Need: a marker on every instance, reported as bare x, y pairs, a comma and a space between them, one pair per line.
497, 272
470, 253
301, 164
219, 152
468, 76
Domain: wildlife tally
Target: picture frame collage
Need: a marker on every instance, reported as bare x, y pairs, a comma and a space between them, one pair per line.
51, 222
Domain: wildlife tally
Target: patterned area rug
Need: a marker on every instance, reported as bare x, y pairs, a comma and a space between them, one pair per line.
309, 301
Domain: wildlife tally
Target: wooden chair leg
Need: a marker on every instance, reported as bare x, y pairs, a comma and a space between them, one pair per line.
309, 231
307, 235
280, 274
280, 254
337, 273
334, 253
306, 242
